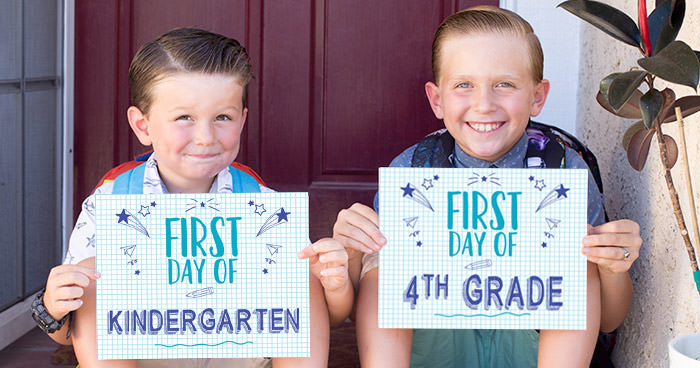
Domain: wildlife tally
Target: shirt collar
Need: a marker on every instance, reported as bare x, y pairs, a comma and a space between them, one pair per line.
512, 159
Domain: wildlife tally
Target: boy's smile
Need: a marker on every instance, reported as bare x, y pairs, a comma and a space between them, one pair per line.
194, 124
486, 92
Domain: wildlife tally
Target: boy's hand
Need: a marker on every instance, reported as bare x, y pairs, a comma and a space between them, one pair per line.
328, 261
357, 229
614, 246
64, 288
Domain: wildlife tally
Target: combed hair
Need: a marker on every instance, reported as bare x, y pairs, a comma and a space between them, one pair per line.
489, 19
186, 50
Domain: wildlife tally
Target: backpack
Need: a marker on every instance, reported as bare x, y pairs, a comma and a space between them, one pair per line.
125, 167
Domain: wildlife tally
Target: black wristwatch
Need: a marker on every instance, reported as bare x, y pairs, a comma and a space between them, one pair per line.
42, 317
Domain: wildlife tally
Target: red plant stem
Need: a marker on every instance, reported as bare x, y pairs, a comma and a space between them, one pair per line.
675, 201
644, 26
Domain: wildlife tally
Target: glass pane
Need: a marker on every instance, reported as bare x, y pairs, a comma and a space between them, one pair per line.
41, 186
10, 197
10, 46
42, 38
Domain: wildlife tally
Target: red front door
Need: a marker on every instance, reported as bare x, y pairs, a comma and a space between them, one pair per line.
338, 89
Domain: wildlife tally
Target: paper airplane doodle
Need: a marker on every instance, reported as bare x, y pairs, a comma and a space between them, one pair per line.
277, 218
417, 196
554, 195
411, 221
128, 249
127, 219
552, 223
273, 249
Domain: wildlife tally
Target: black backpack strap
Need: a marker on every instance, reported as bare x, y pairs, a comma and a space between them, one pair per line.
435, 150
544, 149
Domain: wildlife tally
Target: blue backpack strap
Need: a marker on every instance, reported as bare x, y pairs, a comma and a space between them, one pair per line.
130, 182
242, 182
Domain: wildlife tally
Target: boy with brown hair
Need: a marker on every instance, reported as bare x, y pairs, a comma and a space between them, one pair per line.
488, 72
188, 89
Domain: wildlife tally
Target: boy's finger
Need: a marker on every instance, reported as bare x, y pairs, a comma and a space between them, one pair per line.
72, 278
339, 257
65, 306
89, 272
349, 222
307, 252
351, 243
611, 239
359, 234
367, 212
617, 226
68, 293
334, 272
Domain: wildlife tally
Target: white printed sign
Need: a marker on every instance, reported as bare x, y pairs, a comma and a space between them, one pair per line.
482, 248
202, 276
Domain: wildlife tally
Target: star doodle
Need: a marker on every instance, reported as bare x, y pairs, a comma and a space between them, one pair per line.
123, 217
202, 204
561, 191
259, 209
419, 243
251, 203
408, 190
427, 184
265, 271
145, 211
544, 245
137, 272
531, 178
436, 177
153, 204
282, 215
539, 184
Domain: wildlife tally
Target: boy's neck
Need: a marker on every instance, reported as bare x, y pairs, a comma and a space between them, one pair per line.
512, 158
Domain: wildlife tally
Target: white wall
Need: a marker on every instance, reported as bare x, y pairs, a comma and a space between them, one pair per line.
559, 34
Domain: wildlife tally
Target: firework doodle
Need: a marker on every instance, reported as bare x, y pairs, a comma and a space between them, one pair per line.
553, 196
127, 219
417, 196
277, 218
490, 178
209, 203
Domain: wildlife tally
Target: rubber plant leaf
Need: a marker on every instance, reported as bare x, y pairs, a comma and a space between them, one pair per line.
676, 63
623, 86
634, 128
650, 105
689, 105
606, 18
671, 151
638, 148
629, 110
605, 83
665, 23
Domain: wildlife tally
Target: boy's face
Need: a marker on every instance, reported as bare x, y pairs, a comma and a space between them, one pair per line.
486, 93
194, 125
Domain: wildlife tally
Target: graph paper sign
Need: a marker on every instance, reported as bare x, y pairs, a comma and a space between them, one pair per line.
482, 248
202, 276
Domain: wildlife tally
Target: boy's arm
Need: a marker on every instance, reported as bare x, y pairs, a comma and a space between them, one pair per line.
328, 261
573, 348
613, 246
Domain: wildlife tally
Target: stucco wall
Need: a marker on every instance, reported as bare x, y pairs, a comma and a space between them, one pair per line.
666, 304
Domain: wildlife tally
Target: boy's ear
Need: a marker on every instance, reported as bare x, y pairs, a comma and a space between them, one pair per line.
433, 93
541, 92
139, 124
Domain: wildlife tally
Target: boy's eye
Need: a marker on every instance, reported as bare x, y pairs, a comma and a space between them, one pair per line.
504, 84
464, 85
184, 117
223, 118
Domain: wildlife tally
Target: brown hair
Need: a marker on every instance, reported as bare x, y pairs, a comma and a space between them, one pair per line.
186, 50
489, 19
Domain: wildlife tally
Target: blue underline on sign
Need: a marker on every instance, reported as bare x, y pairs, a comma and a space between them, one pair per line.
482, 315
223, 342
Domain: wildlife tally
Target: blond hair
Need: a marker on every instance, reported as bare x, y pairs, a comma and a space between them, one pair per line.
489, 19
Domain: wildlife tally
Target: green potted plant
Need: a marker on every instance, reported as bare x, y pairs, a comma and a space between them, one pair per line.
633, 94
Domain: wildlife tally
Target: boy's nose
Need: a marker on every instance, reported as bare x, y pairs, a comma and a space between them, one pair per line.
203, 132
483, 100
